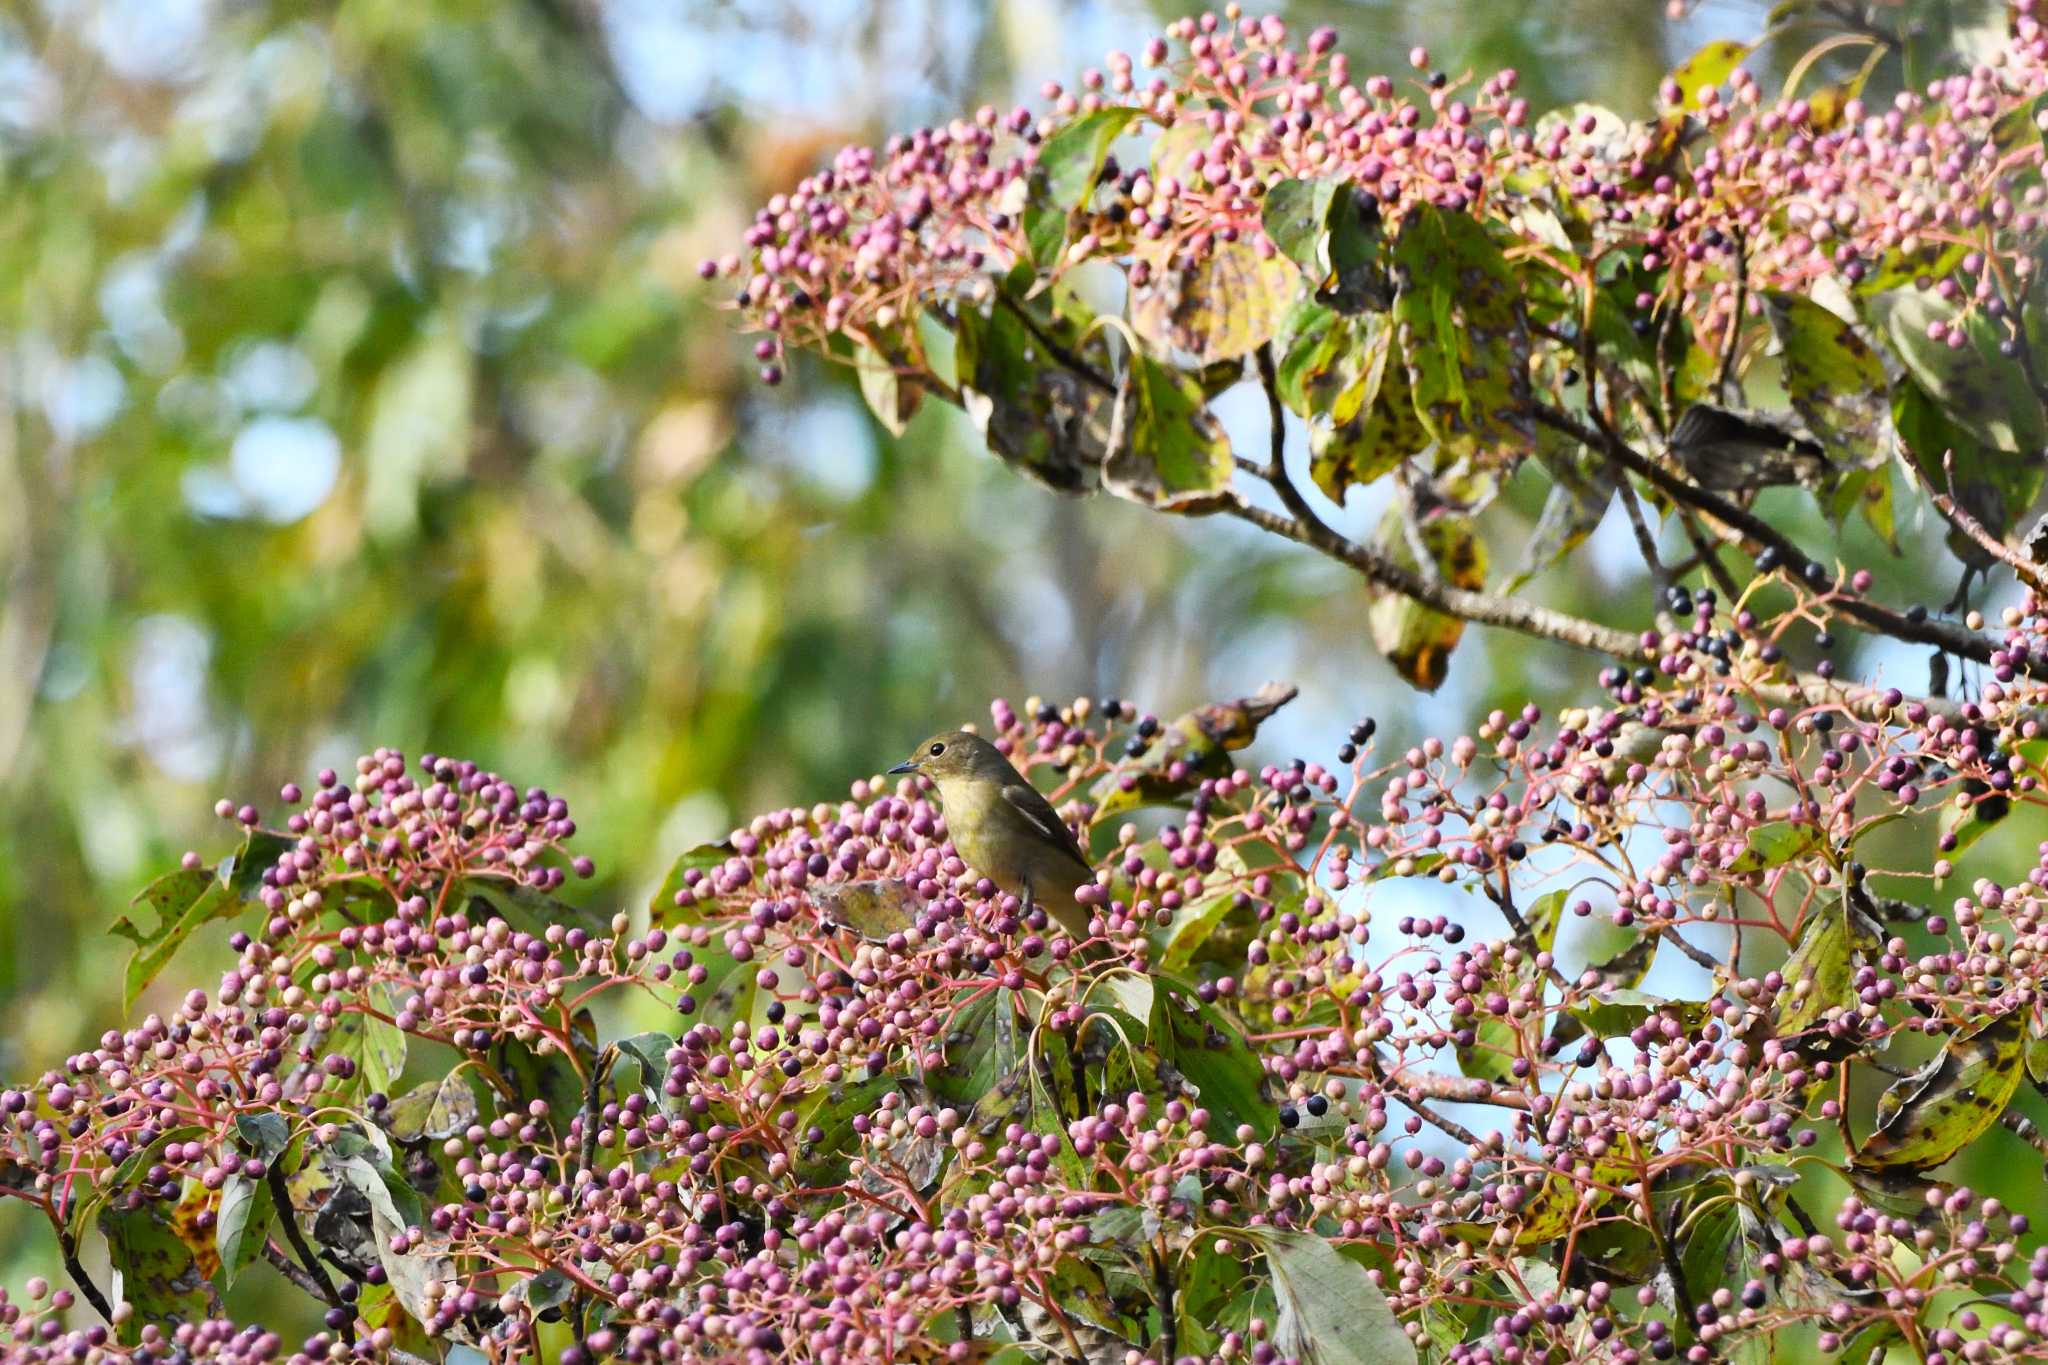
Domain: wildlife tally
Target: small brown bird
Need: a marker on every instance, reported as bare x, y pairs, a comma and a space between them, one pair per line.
1003, 828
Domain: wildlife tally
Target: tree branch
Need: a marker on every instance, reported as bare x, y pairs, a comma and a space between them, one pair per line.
288, 1217
76, 1270
1304, 527
1965, 643
1960, 518
1478, 607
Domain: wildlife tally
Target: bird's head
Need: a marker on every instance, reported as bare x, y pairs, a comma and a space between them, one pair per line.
954, 755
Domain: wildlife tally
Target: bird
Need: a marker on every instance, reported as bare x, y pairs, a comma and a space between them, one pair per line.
1002, 827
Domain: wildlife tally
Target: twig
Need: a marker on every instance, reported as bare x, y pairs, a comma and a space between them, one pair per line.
1169, 1329
291, 1270
1960, 518
76, 1271
1941, 634
288, 1217
1726, 376
1304, 527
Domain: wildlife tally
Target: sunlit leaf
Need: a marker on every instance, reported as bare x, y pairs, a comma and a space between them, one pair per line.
1213, 303
1069, 164
1711, 66
1416, 639
1987, 483
185, 900
1173, 455
1209, 1048
159, 1273
1196, 744
1294, 217
1774, 845
1979, 389
889, 384
1037, 412
980, 1049
434, 1109
241, 1225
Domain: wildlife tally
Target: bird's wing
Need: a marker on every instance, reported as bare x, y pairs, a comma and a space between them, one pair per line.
1028, 802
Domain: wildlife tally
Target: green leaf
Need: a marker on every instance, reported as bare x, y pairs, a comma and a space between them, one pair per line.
1980, 390
1369, 424
1037, 413
704, 858
649, 1053
1615, 1011
1199, 740
1311, 342
434, 1109
1491, 1056
1416, 639
1704, 1256
1988, 483
1931, 1115
1177, 943
833, 1107
872, 909
1330, 1313
1835, 380
1710, 66
1770, 846
1210, 1050
1818, 973
1295, 218
1358, 281
240, 1226
980, 1049
1068, 166
1972, 822
376, 1046
1626, 967
159, 1274
526, 908
1173, 456
550, 1076
185, 900
1543, 917
890, 387
549, 1289
1868, 491
1464, 337
265, 1135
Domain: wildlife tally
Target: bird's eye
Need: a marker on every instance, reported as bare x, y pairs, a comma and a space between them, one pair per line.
937, 749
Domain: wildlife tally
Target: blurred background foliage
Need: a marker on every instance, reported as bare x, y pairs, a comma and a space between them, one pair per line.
356, 387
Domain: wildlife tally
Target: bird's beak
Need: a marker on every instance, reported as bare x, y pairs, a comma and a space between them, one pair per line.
908, 765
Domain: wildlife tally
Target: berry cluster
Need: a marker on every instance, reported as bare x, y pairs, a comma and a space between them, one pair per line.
900, 1115
1723, 197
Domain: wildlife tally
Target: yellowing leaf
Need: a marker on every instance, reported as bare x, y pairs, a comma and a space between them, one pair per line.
1931, 1115
1217, 303
1416, 639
